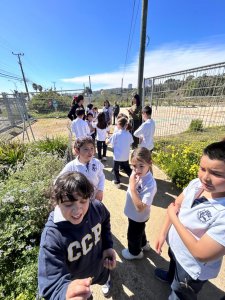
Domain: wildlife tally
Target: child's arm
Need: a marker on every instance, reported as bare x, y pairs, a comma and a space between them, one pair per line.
79, 288
140, 131
101, 183
205, 249
139, 205
166, 226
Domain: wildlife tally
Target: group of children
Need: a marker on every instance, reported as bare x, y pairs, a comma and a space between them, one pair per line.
76, 247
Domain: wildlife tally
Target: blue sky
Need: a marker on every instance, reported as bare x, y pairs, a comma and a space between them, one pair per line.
66, 41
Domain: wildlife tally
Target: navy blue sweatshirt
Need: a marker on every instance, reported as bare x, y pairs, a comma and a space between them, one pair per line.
69, 252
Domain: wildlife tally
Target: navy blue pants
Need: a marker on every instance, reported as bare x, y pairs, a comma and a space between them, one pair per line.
136, 236
124, 165
183, 286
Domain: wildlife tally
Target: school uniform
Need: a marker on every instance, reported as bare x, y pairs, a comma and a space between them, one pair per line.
208, 216
80, 128
93, 170
101, 135
146, 189
146, 132
69, 251
121, 141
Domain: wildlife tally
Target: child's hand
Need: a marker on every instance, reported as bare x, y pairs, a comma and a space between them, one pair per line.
79, 289
109, 258
159, 243
133, 180
99, 195
172, 211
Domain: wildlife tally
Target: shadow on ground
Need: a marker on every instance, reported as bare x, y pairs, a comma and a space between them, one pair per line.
135, 279
166, 193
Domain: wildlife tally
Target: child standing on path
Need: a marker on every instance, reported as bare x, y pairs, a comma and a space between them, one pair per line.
79, 127
91, 125
146, 131
195, 228
140, 194
76, 244
85, 163
121, 142
102, 131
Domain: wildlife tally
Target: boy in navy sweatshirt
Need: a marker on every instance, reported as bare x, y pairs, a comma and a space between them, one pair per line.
76, 244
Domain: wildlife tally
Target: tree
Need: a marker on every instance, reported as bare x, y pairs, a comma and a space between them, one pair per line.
40, 88
35, 87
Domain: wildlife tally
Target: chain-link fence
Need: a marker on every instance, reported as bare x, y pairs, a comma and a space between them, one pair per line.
180, 98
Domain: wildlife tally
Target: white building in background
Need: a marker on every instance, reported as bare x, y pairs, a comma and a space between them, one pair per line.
130, 86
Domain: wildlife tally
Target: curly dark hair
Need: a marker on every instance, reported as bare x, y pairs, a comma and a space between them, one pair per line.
71, 183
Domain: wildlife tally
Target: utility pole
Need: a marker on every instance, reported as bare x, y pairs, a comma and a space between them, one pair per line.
21, 67
142, 48
54, 84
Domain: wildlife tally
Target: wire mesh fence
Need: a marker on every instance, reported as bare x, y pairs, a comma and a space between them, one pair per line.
180, 98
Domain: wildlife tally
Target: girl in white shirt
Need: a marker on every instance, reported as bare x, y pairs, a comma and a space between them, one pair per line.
140, 194
102, 131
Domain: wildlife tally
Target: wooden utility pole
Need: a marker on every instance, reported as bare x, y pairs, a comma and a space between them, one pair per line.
142, 48
21, 67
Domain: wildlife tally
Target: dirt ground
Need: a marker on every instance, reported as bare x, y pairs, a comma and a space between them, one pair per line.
134, 279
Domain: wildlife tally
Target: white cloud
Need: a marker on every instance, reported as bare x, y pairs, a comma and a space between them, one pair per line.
167, 59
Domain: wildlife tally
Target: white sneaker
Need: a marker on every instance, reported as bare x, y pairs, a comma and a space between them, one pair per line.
106, 287
104, 158
147, 247
127, 255
116, 184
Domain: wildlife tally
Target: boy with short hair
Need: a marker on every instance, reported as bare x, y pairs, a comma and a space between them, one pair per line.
121, 141
195, 228
76, 246
146, 131
79, 127
87, 164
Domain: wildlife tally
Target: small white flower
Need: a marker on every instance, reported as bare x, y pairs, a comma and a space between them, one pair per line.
29, 247
26, 208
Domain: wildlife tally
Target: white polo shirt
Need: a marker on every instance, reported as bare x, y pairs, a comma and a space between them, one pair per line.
93, 171
207, 217
146, 188
121, 142
80, 128
101, 134
146, 132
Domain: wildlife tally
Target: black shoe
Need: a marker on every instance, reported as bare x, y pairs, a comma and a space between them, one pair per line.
162, 275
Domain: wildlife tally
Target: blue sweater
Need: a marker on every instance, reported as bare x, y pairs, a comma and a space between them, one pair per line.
69, 252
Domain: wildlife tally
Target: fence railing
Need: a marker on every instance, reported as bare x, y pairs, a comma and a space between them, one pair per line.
180, 97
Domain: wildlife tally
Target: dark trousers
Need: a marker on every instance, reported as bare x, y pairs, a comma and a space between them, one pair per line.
136, 236
116, 166
136, 124
183, 286
114, 118
101, 145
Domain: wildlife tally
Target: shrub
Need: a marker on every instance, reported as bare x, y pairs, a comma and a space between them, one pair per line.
180, 162
196, 125
23, 211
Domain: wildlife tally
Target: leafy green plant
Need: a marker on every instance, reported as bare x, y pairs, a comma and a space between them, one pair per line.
181, 162
51, 145
11, 152
196, 125
24, 208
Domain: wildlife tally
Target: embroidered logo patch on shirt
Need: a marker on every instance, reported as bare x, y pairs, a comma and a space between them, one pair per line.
204, 215
94, 167
139, 188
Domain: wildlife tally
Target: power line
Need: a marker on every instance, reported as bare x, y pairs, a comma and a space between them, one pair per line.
10, 76
131, 25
